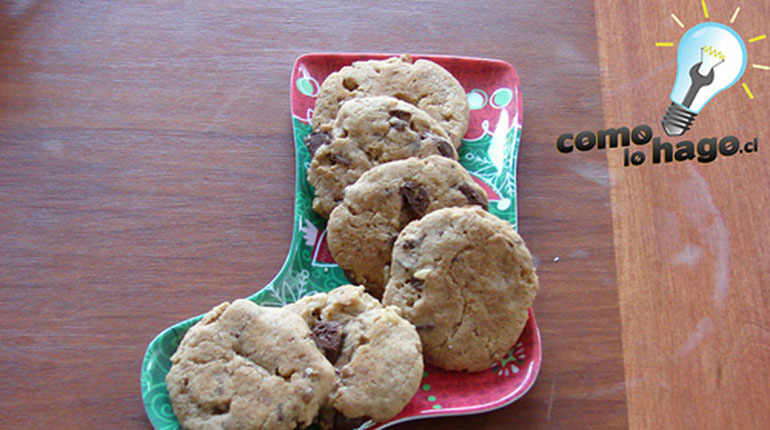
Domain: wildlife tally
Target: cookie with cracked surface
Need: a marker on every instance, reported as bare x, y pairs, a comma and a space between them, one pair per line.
422, 83
361, 230
369, 131
376, 353
465, 279
244, 366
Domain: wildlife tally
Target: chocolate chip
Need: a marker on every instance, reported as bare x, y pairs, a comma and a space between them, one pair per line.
350, 83
415, 199
328, 338
315, 140
416, 283
400, 114
445, 149
339, 159
408, 244
474, 196
221, 409
400, 119
281, 416
341, 422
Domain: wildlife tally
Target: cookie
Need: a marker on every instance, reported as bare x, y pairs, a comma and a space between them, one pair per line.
361, 230
465, 279
369, 131
422, 83
376, 353
244, 366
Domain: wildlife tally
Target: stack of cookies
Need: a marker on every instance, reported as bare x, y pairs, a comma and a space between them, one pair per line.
406, 220
437, 277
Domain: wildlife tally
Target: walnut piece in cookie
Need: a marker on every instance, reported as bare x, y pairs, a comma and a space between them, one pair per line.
377, 355
361, 231
465, 279
248, 367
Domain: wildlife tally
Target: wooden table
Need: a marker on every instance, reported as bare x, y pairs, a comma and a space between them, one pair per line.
146, 174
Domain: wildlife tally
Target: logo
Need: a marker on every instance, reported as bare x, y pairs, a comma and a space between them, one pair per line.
711, 57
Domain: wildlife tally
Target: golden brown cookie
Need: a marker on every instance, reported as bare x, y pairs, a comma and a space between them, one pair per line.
376, 353
465, 279
422, 83
369, 131
361, 230
244, 366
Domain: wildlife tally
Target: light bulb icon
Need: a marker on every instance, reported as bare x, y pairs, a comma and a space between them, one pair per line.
711, 57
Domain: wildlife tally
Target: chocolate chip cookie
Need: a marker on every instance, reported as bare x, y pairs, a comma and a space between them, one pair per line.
376, 354
422, 83
244, 366
369, 131
361, 230
465, 279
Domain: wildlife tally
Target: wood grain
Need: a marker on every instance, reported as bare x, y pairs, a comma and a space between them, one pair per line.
146, 174
690, 237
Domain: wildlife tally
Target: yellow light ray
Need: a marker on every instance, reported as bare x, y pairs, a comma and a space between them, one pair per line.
677, 20
664, 44
758, 38
735, 15
748, 91
705, 9
761, 67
